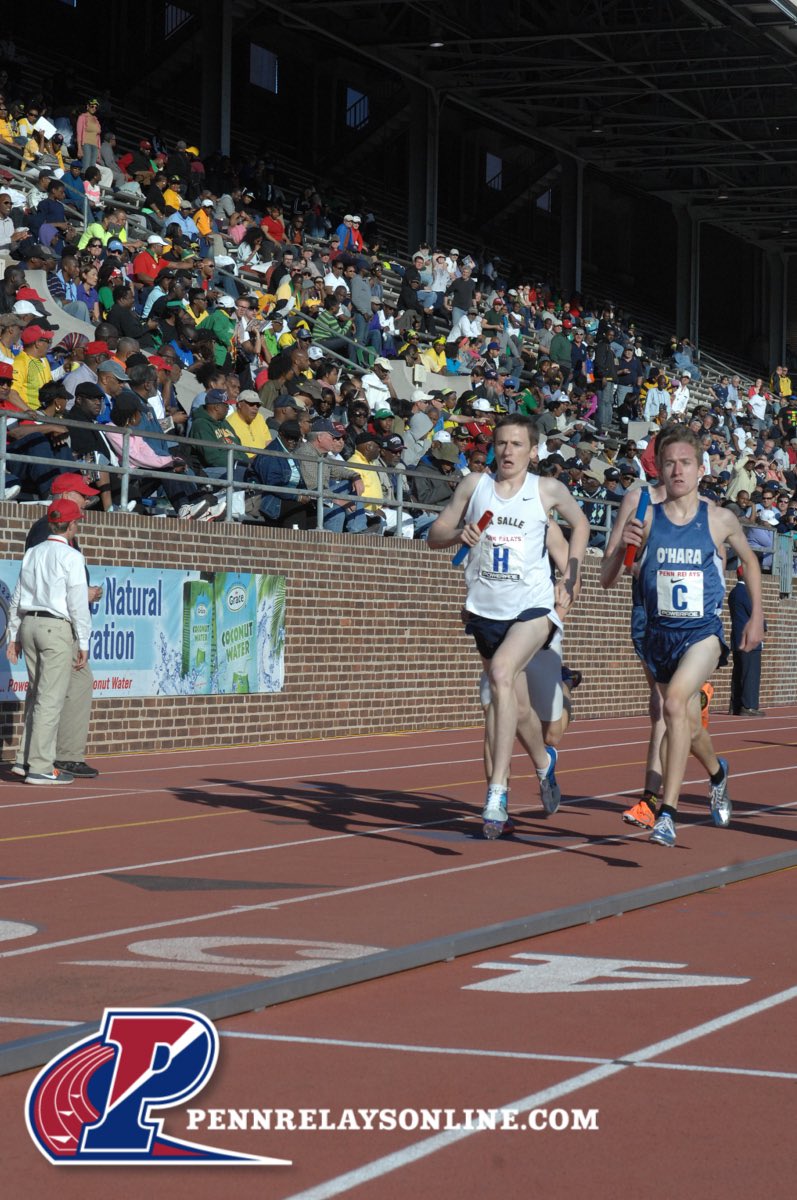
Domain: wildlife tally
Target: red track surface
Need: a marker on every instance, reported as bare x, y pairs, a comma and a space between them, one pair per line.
370, 843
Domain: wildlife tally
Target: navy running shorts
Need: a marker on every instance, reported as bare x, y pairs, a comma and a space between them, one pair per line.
663, 649
489, 634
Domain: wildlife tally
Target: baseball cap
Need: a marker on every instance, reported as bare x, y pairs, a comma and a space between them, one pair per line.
442, 437
115, 244
315, 353
225, 301
419, 396
249, 396
285, 401
89, 391
6, 371
216, 396
611, 473
362, 438
207, 204
155, 240
322, 425
96, 349
29, 293
73, 481
384, 363
35, 333
61, 512
382, 411
483, 406
24, 308
393, 443
445, 453
111, 367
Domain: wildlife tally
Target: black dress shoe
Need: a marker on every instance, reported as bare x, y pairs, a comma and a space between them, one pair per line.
751, 712
80, 769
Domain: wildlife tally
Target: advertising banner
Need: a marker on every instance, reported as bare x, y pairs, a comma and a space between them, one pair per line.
173, 633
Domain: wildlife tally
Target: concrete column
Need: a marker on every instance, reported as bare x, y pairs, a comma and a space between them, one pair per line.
683, 278
776, 307
570, 236
422, 173
215, 114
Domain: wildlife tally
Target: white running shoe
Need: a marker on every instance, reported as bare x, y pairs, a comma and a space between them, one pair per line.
495, 814
192, 512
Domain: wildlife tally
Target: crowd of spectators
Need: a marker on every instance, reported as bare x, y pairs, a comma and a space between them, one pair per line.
293, 321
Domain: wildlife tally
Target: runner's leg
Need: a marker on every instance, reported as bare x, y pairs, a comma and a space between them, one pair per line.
693, 670
522, 641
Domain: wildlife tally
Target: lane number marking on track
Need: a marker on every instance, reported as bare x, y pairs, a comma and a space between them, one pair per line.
288, 955
10, 930
531, 974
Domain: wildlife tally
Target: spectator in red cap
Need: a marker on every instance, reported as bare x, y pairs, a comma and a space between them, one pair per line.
50, 622
93, 354
31, 368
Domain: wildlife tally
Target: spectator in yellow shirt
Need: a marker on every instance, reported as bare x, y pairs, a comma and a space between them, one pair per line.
434, 358
249, 423
366, 452
171, 194
31, 368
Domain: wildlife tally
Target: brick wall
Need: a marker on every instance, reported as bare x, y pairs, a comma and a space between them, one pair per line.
374, 641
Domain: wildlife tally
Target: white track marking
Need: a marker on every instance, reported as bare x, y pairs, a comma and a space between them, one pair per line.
358, 889
301, 777
622, 834
344, 1184
511, 1055
36, 1021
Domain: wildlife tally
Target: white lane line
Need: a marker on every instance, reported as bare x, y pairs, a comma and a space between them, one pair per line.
36, 1021
301, 777
470, 1052
373, 886
343, 1184
622, 834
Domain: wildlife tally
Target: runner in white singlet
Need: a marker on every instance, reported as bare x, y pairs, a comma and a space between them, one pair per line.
511, 598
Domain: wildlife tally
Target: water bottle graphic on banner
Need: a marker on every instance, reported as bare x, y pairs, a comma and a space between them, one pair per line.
236, 632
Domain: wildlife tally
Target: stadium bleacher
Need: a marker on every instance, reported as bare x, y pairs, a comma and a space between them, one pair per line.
654, 329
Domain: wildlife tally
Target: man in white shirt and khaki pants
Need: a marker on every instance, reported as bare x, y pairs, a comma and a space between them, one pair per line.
50, 623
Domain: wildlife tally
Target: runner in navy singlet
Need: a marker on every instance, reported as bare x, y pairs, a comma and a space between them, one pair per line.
682, 587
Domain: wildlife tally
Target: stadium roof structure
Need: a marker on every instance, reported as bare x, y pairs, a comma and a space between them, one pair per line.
694, 101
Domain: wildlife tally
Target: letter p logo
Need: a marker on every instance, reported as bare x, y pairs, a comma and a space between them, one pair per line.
92, 1104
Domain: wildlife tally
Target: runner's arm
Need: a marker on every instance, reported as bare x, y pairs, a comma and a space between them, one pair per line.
447, 529
626, 531
555, 495
726, 528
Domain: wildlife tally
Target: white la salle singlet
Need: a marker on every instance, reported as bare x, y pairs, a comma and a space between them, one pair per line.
508, 570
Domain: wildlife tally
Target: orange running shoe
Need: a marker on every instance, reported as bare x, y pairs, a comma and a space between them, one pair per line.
642, 814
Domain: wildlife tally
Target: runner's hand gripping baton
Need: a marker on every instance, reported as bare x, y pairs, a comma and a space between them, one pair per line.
641, 509
481, 525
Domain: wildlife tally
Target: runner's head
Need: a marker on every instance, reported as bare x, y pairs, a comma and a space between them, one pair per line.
517, 428
679, 461
677, 435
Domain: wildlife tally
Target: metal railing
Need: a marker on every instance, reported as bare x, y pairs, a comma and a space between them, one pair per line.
234, 454
784, 548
